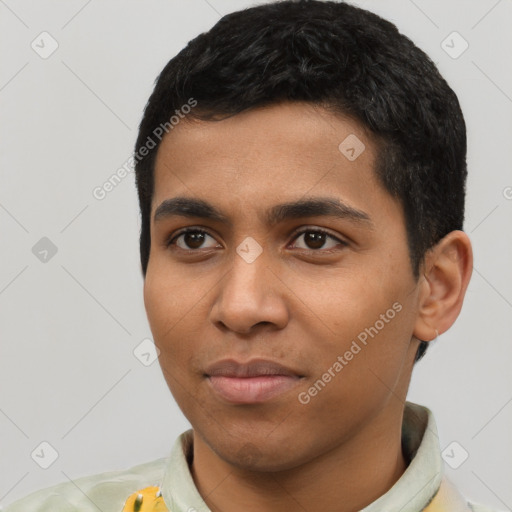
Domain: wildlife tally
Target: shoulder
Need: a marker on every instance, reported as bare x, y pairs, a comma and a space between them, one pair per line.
105, 491
476, 507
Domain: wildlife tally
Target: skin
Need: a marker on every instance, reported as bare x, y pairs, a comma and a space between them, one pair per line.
298, 304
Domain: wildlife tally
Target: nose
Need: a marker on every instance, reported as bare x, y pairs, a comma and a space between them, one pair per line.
250, 295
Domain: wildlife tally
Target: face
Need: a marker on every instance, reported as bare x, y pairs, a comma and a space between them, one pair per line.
317, 292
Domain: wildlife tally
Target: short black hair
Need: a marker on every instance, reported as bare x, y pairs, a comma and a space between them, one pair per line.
340, 57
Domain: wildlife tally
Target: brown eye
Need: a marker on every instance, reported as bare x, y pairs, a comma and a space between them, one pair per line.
315, 239
192, 239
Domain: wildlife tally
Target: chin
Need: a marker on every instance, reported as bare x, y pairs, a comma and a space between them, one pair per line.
263, 458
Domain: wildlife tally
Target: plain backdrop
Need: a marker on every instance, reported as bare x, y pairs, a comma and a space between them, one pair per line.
71, 309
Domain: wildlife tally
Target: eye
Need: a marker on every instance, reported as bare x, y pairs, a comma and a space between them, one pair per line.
192, 239
315, 239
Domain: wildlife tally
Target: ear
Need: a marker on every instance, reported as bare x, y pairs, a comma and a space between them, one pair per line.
446, 273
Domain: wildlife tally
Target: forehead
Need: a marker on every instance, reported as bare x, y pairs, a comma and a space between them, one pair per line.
268, 155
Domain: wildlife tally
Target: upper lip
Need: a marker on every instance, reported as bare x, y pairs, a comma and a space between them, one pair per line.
252, 368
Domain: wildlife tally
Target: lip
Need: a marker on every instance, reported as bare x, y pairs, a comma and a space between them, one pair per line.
255, 381
252, 368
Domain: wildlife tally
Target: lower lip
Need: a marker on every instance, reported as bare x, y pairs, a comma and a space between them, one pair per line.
251, 390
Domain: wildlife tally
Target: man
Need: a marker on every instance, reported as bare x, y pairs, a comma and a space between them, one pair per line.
301, 171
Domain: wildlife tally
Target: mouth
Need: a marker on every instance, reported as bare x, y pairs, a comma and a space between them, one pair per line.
256, 381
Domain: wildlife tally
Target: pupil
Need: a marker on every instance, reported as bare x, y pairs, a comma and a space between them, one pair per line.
194, 240
315, 240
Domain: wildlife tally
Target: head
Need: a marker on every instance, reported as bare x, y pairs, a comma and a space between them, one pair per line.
261, 111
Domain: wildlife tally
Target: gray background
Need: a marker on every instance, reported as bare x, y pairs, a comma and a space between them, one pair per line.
70, 324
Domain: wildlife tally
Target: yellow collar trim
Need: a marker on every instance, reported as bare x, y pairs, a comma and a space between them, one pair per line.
148, 499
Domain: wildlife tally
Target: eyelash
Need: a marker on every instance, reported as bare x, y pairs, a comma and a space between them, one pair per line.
170, 241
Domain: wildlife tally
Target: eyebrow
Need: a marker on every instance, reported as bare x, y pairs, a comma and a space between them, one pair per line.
319, 206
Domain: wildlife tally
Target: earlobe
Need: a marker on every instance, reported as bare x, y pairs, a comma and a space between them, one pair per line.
447, 271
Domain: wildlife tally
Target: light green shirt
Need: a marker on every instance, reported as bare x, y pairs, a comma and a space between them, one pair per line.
107, 492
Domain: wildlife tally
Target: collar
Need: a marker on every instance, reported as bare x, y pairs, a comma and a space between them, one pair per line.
416, 490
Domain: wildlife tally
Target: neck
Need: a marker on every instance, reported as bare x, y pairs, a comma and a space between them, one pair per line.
345, 479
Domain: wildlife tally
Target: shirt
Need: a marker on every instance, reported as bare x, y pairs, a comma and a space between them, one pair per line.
422, 487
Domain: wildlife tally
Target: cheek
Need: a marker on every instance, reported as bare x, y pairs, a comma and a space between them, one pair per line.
369, 326
175, 312
385, 343
346, 391
165, 304
167, 297
156, 298
164, 312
